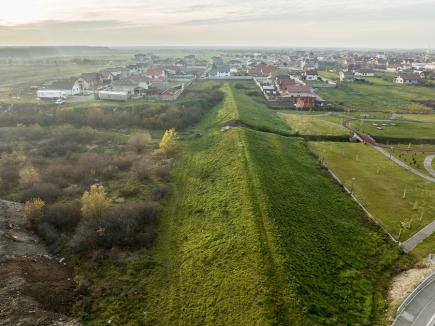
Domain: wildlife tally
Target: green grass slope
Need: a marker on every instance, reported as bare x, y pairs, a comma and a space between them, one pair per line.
257, 233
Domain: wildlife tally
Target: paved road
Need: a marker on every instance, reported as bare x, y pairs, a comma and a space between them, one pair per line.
412, 242
403, 164
418, 309
428, 164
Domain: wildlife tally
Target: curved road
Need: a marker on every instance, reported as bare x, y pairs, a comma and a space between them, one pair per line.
428, 164
418, 309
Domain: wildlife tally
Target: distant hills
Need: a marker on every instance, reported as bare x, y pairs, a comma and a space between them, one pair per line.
54, 51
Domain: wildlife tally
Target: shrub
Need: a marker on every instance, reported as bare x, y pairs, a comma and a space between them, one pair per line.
48, 233
160, 193
48, 192
143, 169
124, 162
163, 172
33, 212
9, 172
129, 190
63, 216
29, 175
140, 141
94, 202
127, 225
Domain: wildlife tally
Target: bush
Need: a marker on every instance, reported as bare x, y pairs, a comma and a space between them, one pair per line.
63, 216
48, 192
140, 141
9, 172
127, 225
33, 212
94, 202
143, 169
29, 175
160, 193
124, 162
129, 190
48, 233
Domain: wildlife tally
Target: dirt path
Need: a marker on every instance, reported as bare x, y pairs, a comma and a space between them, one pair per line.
35, 289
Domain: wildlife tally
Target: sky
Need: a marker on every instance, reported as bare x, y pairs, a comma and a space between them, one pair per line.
277, 23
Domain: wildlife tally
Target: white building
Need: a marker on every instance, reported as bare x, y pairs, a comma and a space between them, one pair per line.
60, 89
407, 78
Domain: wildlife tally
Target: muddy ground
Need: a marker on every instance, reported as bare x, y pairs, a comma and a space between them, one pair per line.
35, 288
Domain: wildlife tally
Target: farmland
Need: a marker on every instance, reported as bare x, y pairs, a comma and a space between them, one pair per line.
255, 228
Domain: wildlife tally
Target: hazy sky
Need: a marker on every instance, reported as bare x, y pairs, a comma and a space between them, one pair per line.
344, 23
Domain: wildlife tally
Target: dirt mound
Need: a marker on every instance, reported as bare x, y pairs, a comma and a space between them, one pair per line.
35, 289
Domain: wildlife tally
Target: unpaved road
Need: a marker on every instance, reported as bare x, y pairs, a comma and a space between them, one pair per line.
35, 289
428, 164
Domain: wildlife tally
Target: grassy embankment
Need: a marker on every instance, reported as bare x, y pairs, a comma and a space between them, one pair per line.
257, 232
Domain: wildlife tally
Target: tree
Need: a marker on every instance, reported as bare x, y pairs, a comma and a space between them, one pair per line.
167, 140
94, 202
139, 141
33, 212
29, 176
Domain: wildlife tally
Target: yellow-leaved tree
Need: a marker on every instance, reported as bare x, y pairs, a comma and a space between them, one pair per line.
94, 202
167, 140
33, 212
29, 175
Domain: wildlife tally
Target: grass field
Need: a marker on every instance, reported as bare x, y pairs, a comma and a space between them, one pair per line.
257, 233
379, 95
414, 158
14, 76
396, 129
381, 184
304, 124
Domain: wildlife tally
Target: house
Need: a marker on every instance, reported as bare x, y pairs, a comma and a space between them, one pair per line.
346, 76
133, 86
155, 72
283, 82
221, 71
302, 96
407, 78
67, 87
394, 67
263, 70
106, 76
365, 73
311, 75
89, 81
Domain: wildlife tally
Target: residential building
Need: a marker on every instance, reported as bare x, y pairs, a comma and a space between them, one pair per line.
346, 76
407, 78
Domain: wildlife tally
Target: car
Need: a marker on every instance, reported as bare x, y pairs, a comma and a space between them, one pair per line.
60, 101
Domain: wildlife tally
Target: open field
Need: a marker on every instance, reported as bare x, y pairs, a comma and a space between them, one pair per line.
379, 95
396, 129
255, 228
329, 74
419, 117
381, 185
305, 124
414, 158
14, 76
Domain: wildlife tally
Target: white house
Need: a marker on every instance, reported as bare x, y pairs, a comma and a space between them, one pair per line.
346, 76
365, 73
222, 71
407, 78
311, 75
66, 88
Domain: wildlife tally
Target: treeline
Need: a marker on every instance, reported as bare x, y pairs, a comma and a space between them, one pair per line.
177, 115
